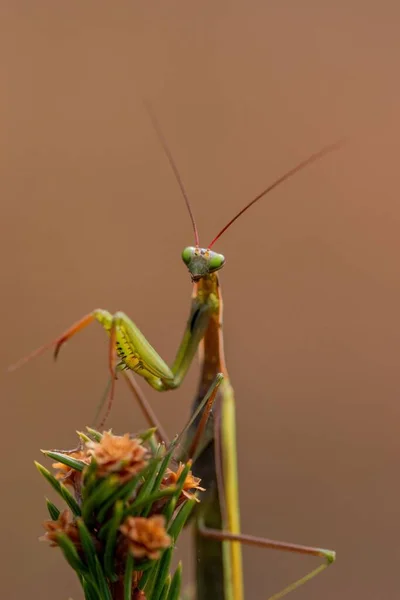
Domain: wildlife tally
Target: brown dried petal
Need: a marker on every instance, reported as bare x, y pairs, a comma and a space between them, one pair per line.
63, 524
191, 482
146, 536
118, 454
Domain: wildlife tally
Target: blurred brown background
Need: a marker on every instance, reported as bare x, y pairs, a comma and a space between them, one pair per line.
91, 216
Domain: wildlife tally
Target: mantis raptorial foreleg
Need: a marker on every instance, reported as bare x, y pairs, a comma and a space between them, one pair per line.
130, 350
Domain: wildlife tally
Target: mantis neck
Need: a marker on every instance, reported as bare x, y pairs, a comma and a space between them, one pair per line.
211, 348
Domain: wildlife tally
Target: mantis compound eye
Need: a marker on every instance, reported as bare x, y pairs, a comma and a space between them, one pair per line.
188, 254
216, 261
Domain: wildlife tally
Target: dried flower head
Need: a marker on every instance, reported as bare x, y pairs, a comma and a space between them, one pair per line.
118, 454
191, 483
68, 475
63, 524
146, 537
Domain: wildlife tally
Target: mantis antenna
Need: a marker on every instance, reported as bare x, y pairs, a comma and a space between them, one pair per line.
174, 168
301, 165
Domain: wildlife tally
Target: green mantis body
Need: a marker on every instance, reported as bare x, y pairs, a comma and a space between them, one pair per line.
218, 533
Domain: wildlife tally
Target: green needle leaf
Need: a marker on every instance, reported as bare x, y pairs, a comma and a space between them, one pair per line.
112, 531
95, 435
88, 547
70, 553
162, 573
176, 582
149, 500
123, 493
54, 512
181, 518
89, 590
65, 459
60, 489
128, 577
144, 436
99, 494
151, 476
167, 585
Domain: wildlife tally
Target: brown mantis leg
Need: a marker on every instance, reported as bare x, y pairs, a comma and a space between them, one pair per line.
250, 540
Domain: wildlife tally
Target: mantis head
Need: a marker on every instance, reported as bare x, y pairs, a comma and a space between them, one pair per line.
202, 261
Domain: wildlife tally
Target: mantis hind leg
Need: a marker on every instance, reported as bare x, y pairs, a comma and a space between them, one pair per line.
328, 555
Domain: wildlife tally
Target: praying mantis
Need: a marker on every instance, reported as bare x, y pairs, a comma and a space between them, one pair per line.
213, 434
